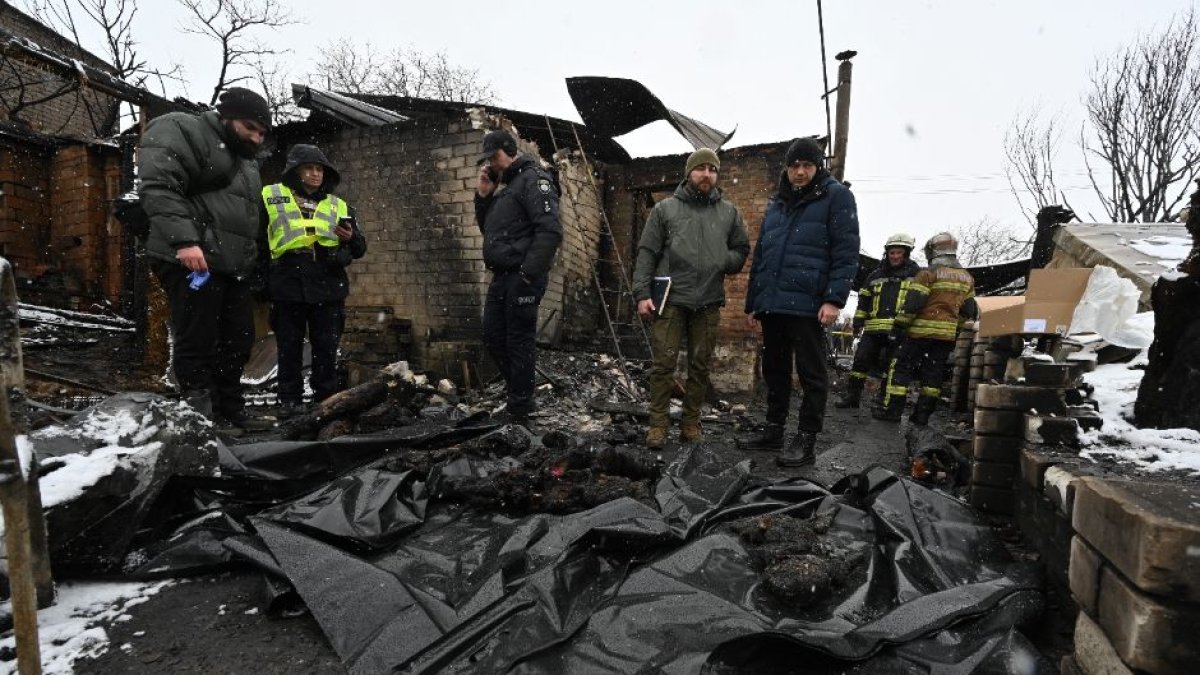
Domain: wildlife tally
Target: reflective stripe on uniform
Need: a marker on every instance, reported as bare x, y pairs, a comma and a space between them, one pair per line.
289, 230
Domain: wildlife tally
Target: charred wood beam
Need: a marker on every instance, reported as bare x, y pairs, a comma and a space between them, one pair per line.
59, 379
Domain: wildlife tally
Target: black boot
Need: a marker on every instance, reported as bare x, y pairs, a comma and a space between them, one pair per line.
770, 437
853, 395
890, 411
800, 452
924, 408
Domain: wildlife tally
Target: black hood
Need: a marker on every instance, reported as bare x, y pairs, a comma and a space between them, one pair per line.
302, 153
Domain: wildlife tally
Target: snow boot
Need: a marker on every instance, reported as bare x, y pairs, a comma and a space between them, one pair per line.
800, 452
853, 395
890, 411
770, 437
656, 437
200, 400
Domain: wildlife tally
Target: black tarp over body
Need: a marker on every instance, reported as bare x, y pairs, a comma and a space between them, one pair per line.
402, 581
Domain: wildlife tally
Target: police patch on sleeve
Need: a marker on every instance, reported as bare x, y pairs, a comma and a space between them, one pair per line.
544, 185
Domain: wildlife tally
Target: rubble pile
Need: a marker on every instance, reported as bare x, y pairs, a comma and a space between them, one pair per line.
799, 563
546, 480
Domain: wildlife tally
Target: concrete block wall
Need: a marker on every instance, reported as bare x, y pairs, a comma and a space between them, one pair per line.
413, 188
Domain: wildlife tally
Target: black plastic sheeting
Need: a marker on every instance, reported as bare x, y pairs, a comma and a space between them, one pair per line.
402, 582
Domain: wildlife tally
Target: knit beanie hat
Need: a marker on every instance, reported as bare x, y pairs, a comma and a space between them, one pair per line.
701, 156
805, 150
238, 103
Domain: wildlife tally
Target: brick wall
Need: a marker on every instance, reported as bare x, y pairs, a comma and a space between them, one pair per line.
84, 239
82, 113
54, 218
413, 188
24, 207
749, 176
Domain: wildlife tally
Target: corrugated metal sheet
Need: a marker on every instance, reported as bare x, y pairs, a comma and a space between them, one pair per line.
343, 108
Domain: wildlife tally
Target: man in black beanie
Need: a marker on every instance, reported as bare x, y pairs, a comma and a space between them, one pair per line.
805, 262
200, 189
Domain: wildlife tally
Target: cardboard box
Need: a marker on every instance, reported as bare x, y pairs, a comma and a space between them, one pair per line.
1046, 308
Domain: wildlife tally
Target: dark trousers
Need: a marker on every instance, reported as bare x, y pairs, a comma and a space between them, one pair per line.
798, 340
872, 357
322, 323
922, 360
212, 331
676, 325
509, 333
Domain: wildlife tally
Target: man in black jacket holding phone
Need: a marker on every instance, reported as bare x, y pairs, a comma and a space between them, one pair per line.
521, 233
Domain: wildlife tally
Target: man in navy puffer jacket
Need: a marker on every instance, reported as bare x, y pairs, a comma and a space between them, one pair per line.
804, 266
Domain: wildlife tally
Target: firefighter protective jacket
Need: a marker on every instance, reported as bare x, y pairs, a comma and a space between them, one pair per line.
881, 299
940, 299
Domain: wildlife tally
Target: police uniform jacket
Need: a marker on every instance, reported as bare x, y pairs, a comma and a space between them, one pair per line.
519, 221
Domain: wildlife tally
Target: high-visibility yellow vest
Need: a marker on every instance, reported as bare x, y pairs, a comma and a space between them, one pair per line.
288, 229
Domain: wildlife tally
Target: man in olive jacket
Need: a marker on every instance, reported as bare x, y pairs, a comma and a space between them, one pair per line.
201, 191
696, 238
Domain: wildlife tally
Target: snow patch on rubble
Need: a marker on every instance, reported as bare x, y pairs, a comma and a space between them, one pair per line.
1169, 250
119, 428
73, 474
74, 627
1150, 449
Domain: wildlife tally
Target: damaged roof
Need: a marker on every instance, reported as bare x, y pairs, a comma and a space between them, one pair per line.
550, 133
615, 106
343, 108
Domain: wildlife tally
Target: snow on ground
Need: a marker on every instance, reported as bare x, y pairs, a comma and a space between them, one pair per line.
1150, 449
1169, 250
74, 627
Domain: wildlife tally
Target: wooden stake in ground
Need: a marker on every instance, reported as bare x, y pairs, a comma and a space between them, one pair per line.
24, 529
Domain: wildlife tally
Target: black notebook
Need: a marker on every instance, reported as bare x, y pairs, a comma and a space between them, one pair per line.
659, 291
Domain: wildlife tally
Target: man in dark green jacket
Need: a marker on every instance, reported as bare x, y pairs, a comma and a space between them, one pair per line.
201, 191
696, 238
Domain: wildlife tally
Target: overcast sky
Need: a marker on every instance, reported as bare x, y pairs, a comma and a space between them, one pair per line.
936, 84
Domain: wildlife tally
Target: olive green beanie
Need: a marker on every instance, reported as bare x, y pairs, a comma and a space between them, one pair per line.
701, 156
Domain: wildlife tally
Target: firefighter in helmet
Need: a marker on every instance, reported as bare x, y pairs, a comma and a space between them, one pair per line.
940, 299
880, 300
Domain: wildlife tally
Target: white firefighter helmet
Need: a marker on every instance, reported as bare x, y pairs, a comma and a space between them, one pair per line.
901, 239
942, 243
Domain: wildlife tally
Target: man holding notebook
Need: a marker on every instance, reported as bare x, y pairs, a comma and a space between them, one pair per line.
691, 242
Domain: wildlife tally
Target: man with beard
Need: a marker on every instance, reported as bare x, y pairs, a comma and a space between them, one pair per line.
696, 238
804, 265
201, 191
312, 236
880, 300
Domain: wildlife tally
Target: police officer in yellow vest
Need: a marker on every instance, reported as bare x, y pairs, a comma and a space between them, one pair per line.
312, 236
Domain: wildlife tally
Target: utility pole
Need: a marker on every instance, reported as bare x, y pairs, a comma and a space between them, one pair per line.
842, 130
